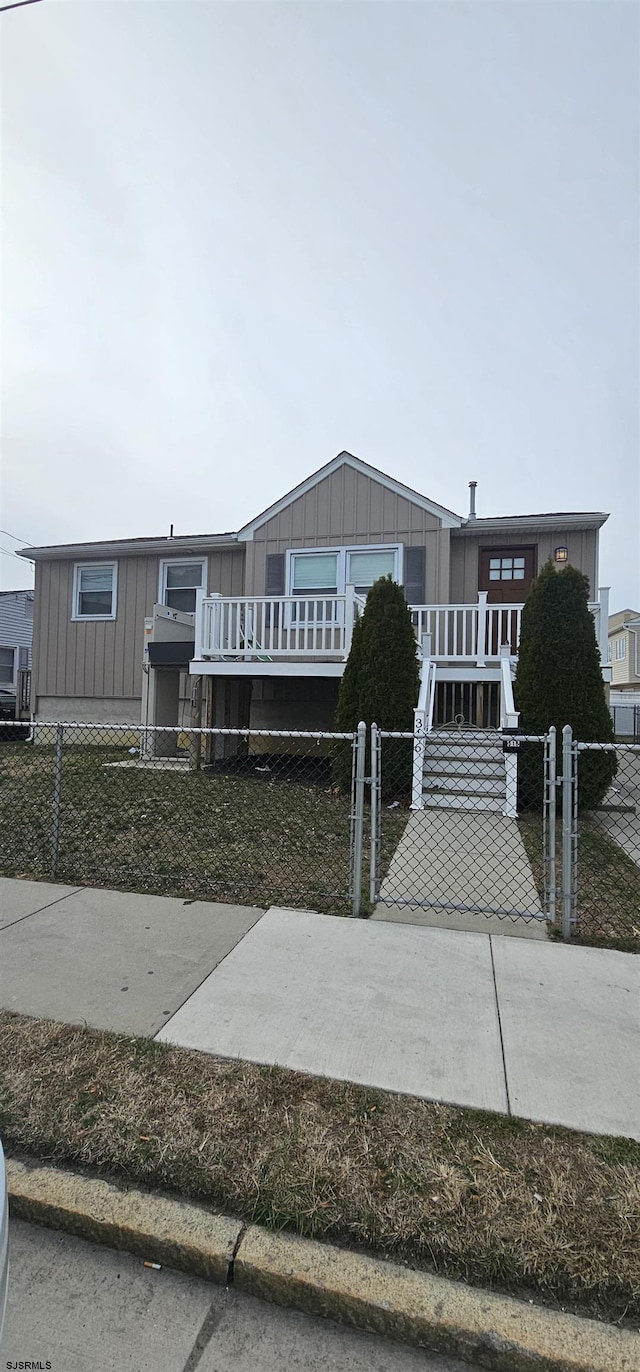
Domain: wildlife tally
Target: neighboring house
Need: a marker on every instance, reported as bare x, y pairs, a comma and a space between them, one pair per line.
624, 650
259, 622
16, 633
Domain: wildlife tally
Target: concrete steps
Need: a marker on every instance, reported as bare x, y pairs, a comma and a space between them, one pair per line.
464, 771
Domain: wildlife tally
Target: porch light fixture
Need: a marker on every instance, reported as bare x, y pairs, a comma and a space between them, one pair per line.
561, 554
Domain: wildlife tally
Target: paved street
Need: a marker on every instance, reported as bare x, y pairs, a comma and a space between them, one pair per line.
80, 1308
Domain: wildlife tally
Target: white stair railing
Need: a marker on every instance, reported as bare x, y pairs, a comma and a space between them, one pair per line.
423, 720
509, 721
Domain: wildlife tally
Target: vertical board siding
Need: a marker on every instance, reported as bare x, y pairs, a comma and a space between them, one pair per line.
350, 508
103, 658
465, 549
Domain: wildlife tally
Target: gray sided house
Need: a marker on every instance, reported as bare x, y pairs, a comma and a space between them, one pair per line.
16, 634
253, 628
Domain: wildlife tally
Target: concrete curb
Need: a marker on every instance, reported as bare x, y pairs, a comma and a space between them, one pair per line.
499, 1332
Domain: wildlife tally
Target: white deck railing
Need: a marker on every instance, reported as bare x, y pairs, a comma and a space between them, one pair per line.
267, 627
254, 628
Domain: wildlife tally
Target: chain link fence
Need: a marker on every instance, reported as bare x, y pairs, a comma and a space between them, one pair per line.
222, 815
466, 826
456, 795
527, 830
606, 844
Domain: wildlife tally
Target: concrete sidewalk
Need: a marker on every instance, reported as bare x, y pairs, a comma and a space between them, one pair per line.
114, 960
539, 1029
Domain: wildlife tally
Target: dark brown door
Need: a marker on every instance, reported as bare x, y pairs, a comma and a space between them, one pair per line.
506, 573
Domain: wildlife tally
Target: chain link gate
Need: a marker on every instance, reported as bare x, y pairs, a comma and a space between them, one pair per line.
464, 847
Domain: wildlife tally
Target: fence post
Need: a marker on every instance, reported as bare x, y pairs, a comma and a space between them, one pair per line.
567, 830
358, 818
375, 800
57, 794
551, 780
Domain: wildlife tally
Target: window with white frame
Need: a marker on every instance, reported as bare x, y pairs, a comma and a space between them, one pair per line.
318, 576
180, 579
363, 568
7, 660
621, 649
94, 590
610, 651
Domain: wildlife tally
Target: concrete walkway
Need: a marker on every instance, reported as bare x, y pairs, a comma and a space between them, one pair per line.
116, 961
542, 1030
536, 1029
470, 869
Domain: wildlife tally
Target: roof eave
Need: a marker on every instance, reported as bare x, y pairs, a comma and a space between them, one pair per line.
502, 523
129, 548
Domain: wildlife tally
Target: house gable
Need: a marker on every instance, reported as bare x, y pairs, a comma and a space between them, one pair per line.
320, 483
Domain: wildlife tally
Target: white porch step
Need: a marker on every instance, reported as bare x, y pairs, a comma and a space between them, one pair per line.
431, 801
489, 766
464, 753
464, 785
466, 735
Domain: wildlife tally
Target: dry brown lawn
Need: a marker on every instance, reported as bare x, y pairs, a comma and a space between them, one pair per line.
543, 1212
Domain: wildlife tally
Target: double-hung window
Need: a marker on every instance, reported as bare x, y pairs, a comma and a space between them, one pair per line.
94, 590
314, 576
180, 580
7, 666
364, 568
621, 649
317, 578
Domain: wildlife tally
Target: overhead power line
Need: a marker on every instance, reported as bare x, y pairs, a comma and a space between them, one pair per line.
8, 553
18, 540
17, 5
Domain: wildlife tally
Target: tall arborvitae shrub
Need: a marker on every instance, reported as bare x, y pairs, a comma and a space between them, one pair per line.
381, 680
559, 681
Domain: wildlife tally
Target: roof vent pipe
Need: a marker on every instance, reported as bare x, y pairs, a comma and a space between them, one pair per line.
472, 499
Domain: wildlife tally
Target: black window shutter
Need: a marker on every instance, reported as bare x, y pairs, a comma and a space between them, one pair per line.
414, 569
274, 584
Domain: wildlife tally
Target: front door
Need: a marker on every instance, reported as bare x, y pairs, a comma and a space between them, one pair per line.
506, 573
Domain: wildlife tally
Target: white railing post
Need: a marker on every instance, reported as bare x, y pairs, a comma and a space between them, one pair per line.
509, 720
349, 618
418, 760
481, 659
603, 636
421, 715
509, 716
199, 626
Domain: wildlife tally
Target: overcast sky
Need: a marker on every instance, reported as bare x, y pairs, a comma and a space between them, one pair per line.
241, 237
